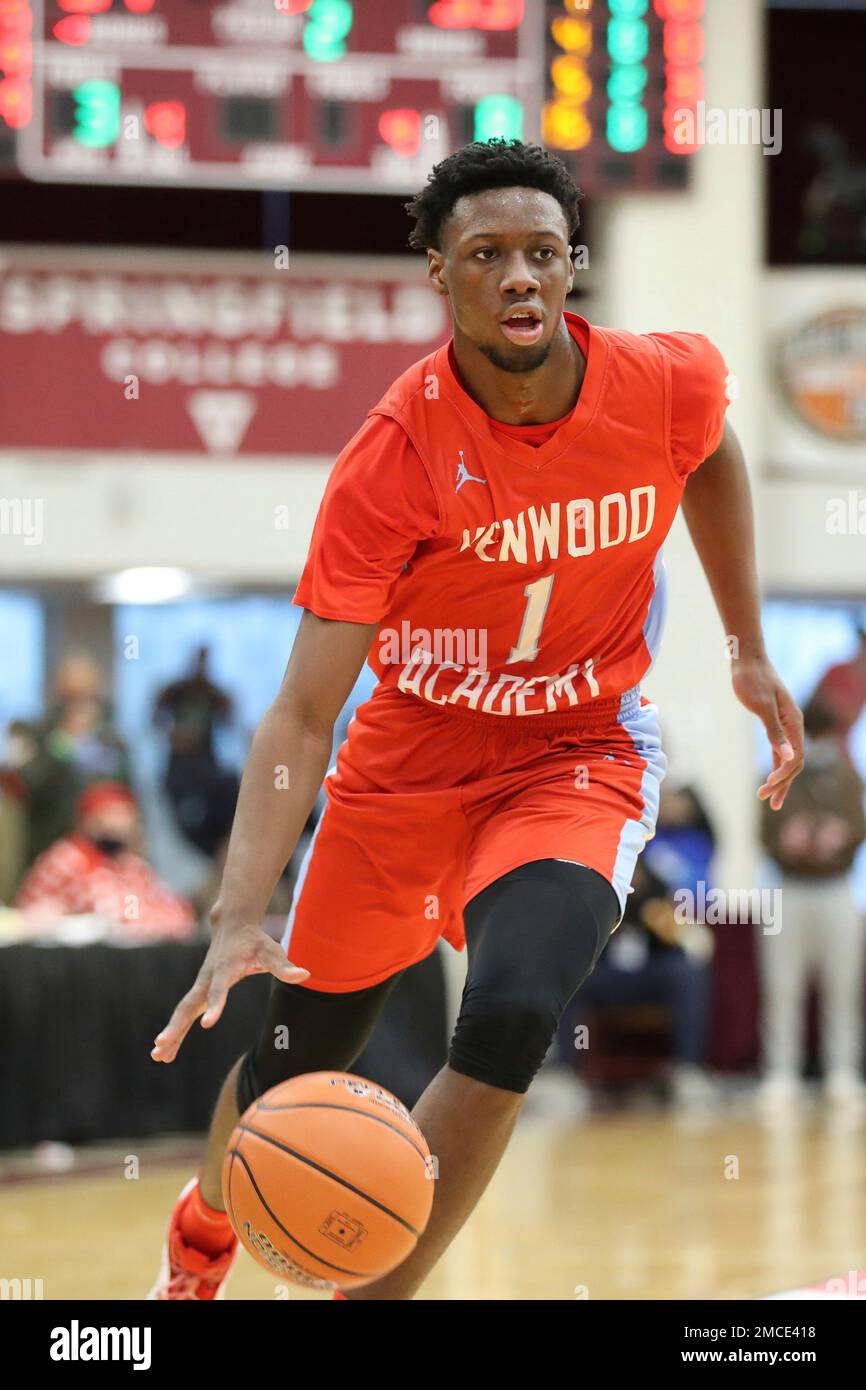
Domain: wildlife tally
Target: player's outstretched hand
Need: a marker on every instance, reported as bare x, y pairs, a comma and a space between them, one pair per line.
758, 687
234, 953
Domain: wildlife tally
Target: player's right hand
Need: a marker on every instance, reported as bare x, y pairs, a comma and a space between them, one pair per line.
234, 953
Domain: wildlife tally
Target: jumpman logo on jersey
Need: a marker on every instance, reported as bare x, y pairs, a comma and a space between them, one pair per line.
463, 474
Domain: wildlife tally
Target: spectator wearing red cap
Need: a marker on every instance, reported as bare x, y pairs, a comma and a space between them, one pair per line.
75, 748
97, 869
842, 689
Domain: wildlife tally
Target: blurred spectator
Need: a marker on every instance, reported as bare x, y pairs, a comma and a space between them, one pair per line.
207, 892
813, 840
73, 748
17, 749
682, 849
645, 963
842, 689
202, 793
98, 869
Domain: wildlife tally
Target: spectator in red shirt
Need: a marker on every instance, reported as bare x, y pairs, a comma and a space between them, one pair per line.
842, 688
97, 869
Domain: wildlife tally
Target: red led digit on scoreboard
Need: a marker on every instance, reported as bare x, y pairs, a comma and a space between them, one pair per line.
84, 6
100, 6
476, 14
679, 9
16, 56
74, 30
166, 122
16, 64
401, 129
683, 47
16, 103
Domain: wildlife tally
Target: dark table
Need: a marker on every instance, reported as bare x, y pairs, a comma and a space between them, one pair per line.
77, 1024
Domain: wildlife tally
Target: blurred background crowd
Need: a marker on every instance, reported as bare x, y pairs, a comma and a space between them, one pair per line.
110, 838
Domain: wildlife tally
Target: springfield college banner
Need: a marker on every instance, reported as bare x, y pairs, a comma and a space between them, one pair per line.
202, 354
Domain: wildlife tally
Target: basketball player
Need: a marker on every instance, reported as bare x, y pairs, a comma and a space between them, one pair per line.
490, 540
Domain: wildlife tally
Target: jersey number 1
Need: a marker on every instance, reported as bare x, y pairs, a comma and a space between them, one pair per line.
537, 599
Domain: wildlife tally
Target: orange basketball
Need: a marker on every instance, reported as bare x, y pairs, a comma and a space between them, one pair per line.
328, 1181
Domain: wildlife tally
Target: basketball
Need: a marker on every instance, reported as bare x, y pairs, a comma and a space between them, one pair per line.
327, 1181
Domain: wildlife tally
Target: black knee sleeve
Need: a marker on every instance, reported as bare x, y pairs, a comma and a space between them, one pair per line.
307, 1030
533, 936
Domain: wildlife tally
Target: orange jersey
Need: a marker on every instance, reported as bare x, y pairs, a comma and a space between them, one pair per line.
517, 571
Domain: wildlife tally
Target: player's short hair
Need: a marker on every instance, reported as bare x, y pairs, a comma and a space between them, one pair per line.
489, 164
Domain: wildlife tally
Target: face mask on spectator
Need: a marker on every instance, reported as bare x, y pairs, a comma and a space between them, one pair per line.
110, 845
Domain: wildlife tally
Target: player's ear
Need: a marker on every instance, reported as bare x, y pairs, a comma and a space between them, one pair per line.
435, 269
570, 269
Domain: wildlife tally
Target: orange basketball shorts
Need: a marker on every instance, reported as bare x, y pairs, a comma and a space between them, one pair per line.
426, 808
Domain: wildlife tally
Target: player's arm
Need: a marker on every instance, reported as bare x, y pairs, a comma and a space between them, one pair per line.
717, 506
287, 761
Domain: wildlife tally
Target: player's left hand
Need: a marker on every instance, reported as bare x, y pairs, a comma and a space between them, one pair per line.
758, 687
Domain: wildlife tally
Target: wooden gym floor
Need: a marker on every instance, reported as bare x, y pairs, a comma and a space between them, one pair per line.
623, 1206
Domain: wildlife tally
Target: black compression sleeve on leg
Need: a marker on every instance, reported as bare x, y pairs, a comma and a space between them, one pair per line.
532, 936
308, 1030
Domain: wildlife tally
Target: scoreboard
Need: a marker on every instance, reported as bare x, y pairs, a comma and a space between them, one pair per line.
343, 95
619, 77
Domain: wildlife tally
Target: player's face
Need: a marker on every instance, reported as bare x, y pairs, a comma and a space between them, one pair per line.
506, 269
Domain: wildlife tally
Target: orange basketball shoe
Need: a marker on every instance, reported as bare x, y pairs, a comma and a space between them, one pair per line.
187, 1273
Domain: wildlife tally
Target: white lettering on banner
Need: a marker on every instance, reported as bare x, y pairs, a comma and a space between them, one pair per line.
507, 695
620, 519
156, 360
220, 307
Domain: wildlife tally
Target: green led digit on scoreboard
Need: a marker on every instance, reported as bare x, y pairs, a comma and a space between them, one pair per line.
328, 24
498, 117
97, 113
627, 126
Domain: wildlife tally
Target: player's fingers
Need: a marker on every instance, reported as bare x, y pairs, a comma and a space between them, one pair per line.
776, 787
782, 772
782, 746
786, 728
221, 982
167, 1043
273, 958
794, 770
777, 800
769, 789
774, 710
782, 721
785, 769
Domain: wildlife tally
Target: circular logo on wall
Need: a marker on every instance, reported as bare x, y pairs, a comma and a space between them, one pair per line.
822, 369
